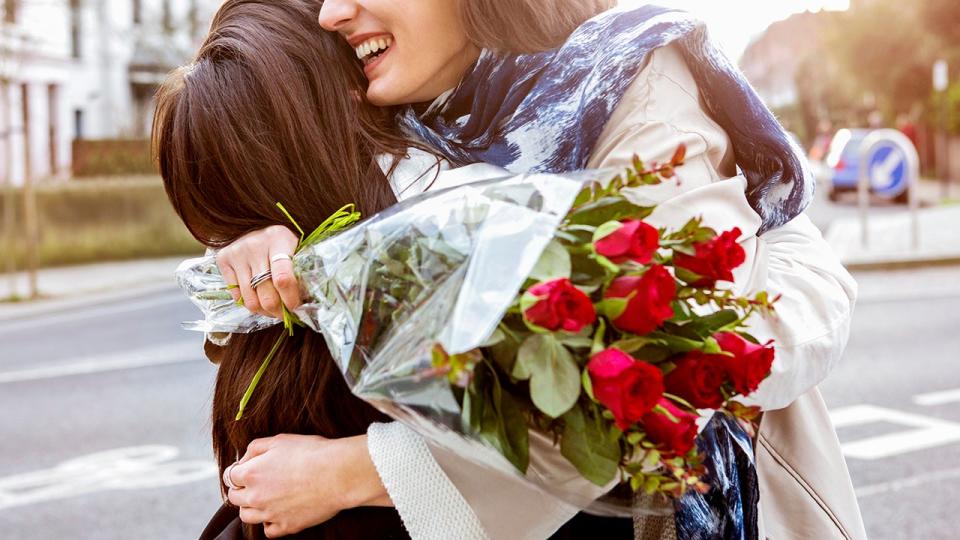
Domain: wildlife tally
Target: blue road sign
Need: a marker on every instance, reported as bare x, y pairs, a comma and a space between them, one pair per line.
887, 167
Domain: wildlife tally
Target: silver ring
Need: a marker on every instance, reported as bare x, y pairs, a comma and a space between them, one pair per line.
228, 479
259, 279
281, 257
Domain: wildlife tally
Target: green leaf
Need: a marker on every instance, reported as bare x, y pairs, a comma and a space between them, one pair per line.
497, 337
607, 209
587, 383
651, 484
587, 445
606, 230
710, 346
715, 322
687, 276
554, 263
613, 308
497, 417
677, 343
576, 342
553, 373
598, 337
651, 461
632, 345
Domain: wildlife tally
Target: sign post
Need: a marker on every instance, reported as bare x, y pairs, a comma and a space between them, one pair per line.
889, 164
941, 82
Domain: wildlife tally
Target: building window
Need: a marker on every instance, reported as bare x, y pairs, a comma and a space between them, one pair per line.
78, 123
167, 16
137, 11
76, 29
10, 8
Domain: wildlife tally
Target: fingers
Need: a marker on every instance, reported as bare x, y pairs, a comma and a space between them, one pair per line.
256, 448
250, 299
269, 299
275, 530
229, 275
284, 280
252, 515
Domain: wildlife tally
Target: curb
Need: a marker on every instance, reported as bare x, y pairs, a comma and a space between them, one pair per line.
45, 306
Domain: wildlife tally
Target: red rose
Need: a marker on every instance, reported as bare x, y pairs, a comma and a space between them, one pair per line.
633, 240
648, 300
698, 378
558, 305
715, 260
750, 363
628, 387
674, 435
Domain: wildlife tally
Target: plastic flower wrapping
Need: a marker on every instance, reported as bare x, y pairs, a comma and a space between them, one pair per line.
535, 324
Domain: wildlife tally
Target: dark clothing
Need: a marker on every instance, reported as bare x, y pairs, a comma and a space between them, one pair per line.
355, 524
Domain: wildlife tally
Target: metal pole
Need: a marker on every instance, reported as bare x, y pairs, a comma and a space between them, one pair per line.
912, 172
29, 199
945, 124
9, 199
863, 196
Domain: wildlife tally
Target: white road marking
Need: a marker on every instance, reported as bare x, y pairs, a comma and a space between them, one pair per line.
927, 433
937, 398
906, 483
41, 321
134, 468
153, 356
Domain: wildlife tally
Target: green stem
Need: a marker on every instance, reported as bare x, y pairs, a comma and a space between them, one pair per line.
256, 378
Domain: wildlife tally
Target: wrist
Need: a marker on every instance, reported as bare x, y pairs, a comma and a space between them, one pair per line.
364, 487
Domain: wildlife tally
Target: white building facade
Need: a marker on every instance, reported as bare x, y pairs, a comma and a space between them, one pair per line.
72, 69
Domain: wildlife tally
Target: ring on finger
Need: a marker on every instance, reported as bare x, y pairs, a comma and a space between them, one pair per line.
281, 257
260, 278
228, 477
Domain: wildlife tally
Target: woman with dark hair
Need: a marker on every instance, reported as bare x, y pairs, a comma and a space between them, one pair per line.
231, 140
632, 80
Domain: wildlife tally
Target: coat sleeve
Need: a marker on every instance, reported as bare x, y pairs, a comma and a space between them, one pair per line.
663, 110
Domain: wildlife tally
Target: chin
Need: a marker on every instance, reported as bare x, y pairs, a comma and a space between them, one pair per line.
380, 98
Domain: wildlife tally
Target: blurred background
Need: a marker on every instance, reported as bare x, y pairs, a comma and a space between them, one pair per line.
104, 429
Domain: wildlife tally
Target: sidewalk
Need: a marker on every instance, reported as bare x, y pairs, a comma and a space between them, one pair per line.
62, 288
890, 241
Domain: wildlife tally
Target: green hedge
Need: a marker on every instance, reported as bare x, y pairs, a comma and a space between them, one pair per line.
105, 157
102, 220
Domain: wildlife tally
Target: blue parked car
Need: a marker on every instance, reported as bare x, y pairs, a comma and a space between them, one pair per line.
843, 160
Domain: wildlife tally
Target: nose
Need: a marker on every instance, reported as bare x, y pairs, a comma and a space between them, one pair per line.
334, 14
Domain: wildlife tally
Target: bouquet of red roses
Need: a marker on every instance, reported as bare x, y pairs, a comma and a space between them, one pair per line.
618, 338
537, 318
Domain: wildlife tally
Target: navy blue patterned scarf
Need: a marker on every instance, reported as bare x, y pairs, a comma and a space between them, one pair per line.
545, 112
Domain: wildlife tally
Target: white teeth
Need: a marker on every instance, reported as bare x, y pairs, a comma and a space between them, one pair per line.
372, 46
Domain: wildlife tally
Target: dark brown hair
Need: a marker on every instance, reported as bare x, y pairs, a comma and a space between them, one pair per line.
272, 110
526, 26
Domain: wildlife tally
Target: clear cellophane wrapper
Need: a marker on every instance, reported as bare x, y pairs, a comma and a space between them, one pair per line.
442, 268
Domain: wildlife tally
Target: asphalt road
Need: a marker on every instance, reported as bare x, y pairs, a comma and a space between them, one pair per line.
104, 423
103, 416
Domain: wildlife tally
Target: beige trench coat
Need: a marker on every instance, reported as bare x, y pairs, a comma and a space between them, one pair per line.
805, 488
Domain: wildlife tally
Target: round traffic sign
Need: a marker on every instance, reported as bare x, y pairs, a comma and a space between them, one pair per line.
887, 169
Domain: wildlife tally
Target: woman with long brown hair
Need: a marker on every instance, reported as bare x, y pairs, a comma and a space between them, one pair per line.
270, 110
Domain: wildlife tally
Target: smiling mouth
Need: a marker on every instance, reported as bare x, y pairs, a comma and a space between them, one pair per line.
373, 48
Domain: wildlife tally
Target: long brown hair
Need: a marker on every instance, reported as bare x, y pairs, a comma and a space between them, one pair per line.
271, 110
526, 26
